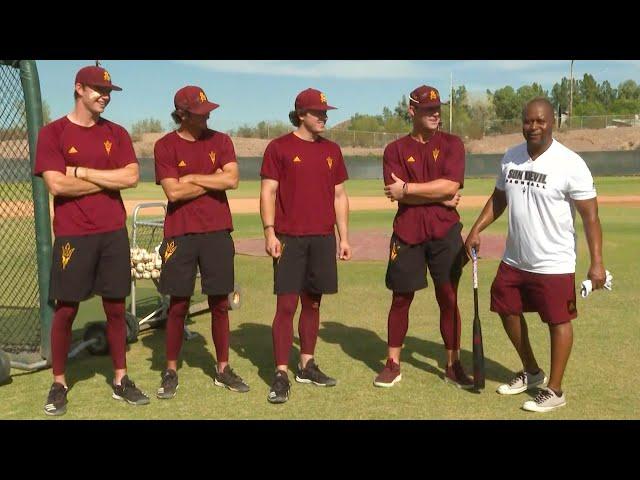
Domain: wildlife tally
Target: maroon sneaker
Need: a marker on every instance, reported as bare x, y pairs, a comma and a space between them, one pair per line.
389, 376
455, 375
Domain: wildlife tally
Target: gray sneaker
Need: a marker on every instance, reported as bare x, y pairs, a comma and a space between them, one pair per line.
229, 379
545, 401
521, 382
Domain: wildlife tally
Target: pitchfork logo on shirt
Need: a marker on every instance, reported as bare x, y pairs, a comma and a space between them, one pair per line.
436, 152
329, 162
107, 146
212, 156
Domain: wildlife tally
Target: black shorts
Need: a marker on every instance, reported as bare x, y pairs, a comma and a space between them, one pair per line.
307, 263
407, 267
86, 265
213, 252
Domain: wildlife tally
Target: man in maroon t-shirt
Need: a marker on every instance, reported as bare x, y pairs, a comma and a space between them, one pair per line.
302, 198
85, 161
423, 172
195, 165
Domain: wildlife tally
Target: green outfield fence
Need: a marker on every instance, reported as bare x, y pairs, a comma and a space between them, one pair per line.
477, 165
25, 236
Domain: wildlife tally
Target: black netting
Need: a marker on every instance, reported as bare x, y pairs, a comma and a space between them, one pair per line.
19, 302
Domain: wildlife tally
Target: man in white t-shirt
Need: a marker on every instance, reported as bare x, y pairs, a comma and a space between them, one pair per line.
543, 183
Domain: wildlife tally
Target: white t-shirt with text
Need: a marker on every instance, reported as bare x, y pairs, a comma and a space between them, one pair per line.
542, 237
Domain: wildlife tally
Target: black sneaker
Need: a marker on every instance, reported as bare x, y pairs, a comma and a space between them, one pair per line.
312, 374
169, 384
280, 387
57, 400
128, 392
230, 380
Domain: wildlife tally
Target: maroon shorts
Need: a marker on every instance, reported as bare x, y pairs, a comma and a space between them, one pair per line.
553, 296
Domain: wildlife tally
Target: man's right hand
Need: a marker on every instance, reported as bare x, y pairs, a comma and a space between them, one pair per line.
472, 242
453, 203
273, 246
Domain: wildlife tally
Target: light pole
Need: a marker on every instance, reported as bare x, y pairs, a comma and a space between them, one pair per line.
571, 94
451, 105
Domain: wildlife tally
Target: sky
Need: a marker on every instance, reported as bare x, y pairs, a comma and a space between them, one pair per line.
250, 91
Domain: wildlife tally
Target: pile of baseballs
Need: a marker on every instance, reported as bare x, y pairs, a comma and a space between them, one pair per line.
144, 264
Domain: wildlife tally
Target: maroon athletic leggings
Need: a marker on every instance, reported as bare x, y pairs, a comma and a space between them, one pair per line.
65, 314
308, 325
178, 309
450, 322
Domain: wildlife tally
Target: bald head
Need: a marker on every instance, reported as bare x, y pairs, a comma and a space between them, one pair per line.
537, 125
542, 102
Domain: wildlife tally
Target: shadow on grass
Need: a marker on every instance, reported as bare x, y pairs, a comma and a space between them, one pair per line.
194, 351
367, 347
253, 341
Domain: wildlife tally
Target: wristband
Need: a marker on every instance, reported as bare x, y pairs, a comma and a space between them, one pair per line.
267, 226
75, 172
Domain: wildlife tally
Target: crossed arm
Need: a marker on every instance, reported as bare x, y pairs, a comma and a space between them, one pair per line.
437, 191
194, 185
80, 181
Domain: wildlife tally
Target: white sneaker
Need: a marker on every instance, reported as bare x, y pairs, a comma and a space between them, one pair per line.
521, 382
545, 401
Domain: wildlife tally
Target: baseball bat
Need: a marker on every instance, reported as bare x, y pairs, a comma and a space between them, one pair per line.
478, 350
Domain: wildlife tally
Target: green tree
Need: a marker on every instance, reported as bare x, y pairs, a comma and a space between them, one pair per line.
148, 125
607, 94
402, 110
506, 102
589, 89
560, 94
529, 92
366, 123
628, 90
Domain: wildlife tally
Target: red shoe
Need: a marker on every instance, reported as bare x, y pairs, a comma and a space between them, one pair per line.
389, 376
455, 375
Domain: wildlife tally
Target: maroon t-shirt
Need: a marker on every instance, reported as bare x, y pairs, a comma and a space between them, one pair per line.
307, 173
414, 162
104, 146
176, 157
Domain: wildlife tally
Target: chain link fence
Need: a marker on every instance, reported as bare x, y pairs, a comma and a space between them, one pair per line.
19, 295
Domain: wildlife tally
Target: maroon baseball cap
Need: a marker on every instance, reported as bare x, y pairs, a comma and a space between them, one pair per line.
193, 99
425, 97
96, 76
312, 99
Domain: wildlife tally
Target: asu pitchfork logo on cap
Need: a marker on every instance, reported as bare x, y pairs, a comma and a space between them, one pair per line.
67, 251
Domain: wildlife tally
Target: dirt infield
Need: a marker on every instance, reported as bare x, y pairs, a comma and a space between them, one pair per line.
24, 209
374, 245
252, 205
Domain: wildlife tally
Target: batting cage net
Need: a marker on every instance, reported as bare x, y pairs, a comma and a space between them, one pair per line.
20, 319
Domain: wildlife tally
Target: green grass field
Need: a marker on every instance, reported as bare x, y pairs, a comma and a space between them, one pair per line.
372, 188
352, 347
